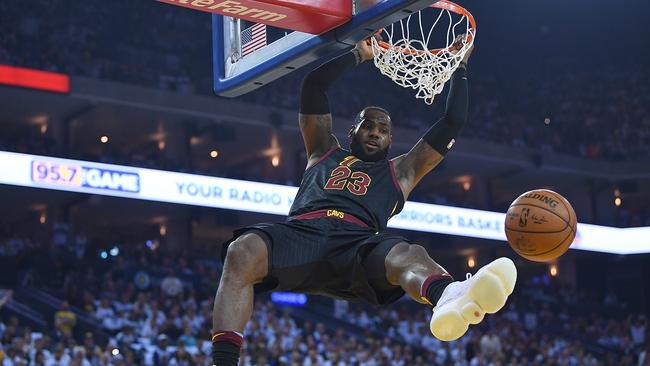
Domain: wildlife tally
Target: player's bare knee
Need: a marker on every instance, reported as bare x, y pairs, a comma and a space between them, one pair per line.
404, 253
397, 252
395, 260
404, 257
247, 258
417, 252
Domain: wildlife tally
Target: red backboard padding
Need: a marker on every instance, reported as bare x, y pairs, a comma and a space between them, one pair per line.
309, 16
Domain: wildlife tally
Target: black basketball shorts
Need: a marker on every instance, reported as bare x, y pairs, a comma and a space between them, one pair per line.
326, 256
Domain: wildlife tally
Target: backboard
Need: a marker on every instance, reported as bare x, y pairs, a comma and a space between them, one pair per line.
235, 74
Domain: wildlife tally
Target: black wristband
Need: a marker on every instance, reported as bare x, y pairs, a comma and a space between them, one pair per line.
442, 135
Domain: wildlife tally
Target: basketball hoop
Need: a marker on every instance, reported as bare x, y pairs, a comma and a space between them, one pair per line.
406, 57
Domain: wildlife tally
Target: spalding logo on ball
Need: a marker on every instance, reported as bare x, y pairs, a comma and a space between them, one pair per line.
540, 225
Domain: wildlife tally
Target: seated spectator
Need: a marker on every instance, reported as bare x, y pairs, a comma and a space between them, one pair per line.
490, 345
59, 358
171, 285
79, 357
104, 310
126, 337
187, 339
65, 320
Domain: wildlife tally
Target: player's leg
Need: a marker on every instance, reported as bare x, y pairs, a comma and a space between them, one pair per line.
410, 266
246, 264
457, 303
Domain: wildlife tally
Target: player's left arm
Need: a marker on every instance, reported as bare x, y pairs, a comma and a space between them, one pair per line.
429, 151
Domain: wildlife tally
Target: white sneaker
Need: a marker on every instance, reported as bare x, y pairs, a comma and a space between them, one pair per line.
466, 302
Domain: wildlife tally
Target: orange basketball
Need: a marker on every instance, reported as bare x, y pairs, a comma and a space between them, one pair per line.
540, 225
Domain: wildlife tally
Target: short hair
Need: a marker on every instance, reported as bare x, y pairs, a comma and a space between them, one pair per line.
357, 119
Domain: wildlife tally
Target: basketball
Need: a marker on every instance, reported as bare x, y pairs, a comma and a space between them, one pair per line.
540, 225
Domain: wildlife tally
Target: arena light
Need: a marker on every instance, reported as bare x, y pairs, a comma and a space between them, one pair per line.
34, 79
471, 262
152, 244
39, 119
289, 298
103, 139
114, 252
232, 194
467, 185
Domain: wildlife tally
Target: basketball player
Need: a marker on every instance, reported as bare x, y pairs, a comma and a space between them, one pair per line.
333, 242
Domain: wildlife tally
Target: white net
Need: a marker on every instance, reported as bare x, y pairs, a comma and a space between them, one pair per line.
405, 54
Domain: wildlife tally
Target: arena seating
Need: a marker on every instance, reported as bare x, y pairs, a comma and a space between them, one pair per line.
609, 108
129, 312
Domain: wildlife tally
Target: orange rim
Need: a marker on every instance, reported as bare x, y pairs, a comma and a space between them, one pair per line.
445, 5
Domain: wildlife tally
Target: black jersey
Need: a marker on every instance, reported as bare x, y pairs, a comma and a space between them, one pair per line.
343, 182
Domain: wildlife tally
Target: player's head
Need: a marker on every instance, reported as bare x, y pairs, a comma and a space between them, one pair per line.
370, 136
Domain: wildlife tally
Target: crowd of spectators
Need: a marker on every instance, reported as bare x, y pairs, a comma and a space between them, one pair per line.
556, 112
150, 45
544, 324
142, 307
588, 112
148, 306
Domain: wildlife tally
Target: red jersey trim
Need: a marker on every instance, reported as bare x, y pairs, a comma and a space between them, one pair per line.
325, 156
330, 213
392, 174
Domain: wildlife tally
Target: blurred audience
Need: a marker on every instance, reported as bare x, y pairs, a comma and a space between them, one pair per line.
65, 320
547, 110
150, 307
141, 323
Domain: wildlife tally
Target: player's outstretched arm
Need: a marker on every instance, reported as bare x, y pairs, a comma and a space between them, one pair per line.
411, 167
315, 117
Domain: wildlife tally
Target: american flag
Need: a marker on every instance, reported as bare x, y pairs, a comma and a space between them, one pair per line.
253, 38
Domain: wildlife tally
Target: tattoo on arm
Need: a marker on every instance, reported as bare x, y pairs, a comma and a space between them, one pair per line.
414, 165
317, 134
